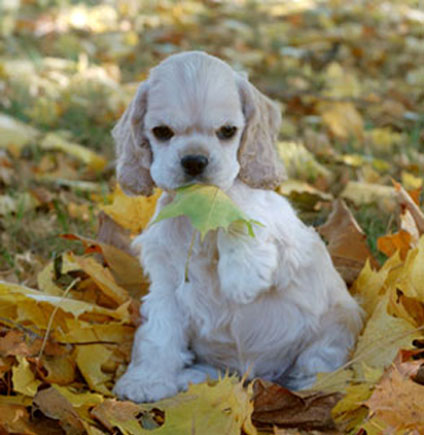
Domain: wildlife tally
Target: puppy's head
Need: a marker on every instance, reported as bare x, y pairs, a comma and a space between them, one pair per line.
195, 120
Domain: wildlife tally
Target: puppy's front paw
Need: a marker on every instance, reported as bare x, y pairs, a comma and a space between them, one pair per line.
196, 374
190, 376
144, 387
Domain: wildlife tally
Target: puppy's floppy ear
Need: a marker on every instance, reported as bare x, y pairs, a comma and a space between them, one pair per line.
260, 165
133, 151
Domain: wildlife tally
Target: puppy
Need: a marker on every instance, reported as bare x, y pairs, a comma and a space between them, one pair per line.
272, 305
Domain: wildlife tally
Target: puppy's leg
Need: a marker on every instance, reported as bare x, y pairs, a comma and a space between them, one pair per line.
159, 351
330, 349
246, 265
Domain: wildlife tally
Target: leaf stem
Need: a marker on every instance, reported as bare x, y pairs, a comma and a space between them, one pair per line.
53, 314
189, 254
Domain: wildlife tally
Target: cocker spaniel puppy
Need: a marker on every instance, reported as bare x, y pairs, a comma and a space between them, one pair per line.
272, 305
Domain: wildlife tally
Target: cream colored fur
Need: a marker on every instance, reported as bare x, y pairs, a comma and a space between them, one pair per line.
272, 305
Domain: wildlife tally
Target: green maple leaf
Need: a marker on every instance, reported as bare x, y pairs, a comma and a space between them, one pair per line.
207, 207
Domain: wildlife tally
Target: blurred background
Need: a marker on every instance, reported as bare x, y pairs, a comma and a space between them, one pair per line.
349, 77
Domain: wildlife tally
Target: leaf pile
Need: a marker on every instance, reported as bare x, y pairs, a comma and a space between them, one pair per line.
350, 80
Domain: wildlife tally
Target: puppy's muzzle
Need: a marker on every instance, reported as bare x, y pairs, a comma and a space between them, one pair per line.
194, 164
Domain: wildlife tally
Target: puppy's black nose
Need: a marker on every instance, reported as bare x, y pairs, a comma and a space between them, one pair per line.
194, 164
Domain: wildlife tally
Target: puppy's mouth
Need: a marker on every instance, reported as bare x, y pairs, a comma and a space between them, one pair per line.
200, 179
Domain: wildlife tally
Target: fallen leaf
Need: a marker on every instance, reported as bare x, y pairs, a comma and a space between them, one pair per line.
390, 243
381, 339
276, 406
303, 195
407, 223
406, 201
341, 83
57, 369
14, 343
398, 402
15, 419
350, 411
384, 140
28, 300
53, 405
84, 332
222, 407
362, 193
411, 182
372, 284
125, 268
346, 242
23, 378
301, 163
132, 213
91, 368
103, 278
53, 141
343, 120
122, 415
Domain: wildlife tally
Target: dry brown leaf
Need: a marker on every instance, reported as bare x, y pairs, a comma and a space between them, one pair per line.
276, 406
398, 402
103, 278
56, 370
15, 419
53, 405
112, 413
111, 233
346, 242
14, 343
17, 343
125, 267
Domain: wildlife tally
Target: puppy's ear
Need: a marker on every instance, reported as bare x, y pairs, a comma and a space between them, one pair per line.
133, 151
260, 165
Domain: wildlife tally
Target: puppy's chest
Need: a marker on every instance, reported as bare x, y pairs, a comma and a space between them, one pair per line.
199, 294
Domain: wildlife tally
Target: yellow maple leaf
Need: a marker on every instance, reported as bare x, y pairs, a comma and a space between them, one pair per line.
223, 407
383, 336
131, 212
370, 284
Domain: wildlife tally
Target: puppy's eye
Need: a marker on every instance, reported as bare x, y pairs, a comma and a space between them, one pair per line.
162, 133
226, 132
